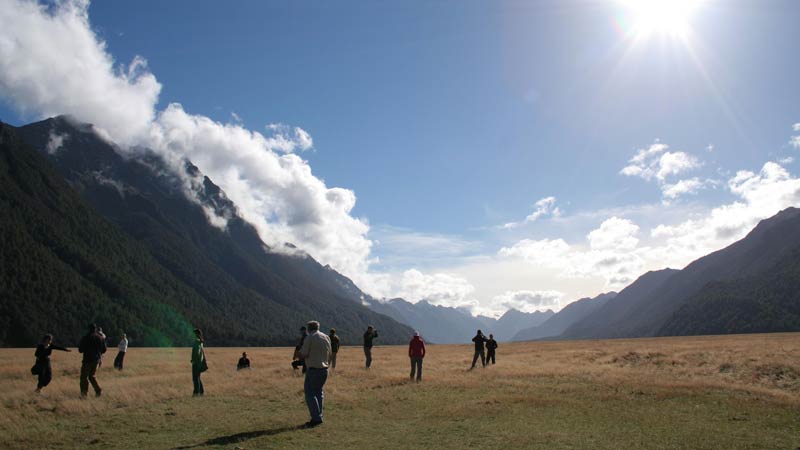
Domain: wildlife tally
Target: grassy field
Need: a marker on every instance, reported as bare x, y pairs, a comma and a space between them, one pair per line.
725, 392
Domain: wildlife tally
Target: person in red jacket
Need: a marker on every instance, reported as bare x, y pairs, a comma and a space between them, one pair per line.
416, 351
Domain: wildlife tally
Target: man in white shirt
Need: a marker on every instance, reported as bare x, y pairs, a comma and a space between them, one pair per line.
123, 347
316, 351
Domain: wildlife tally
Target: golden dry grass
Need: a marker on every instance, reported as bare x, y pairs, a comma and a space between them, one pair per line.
699, 392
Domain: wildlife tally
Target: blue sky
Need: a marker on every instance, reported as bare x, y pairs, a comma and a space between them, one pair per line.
448, 120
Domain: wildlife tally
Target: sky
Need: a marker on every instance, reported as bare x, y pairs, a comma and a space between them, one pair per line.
485, 155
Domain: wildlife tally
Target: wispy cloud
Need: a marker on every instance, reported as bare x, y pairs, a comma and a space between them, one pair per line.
545, 207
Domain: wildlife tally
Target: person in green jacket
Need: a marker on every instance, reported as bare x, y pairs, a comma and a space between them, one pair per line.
199, 364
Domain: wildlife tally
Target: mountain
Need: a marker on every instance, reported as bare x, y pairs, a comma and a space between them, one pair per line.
264, 294
560, 321
754, 277
611, 317
448, 325
764, 303
513, 321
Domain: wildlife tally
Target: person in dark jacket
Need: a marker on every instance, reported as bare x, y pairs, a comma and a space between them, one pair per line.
42, 367
297, 358
199, 363
416, 351
479, 340
334, 347
369, 335
244, 362
491, 346
92, 346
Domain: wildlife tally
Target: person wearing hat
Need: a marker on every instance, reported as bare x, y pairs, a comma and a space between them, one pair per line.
92, 346
334, 347
416, 351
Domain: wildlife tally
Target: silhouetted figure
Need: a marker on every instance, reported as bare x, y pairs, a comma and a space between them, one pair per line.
199, 363
92, 346
297, 359
479, 340
42, 367
334, 347
123, 348
369, 335
105, 342
491, 346
416, 351
244, 362
316, 351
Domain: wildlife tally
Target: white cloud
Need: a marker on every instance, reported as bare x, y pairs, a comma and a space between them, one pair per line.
439, 288
528, 301
545, 207
655, 162
55, 141
236, 117
795, 140
682, 187
52, 62
786, 160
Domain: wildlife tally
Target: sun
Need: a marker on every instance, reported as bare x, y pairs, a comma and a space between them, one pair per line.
668, 18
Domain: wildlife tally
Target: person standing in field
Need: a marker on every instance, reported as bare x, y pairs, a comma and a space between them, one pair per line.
369, 335
244, 362
92, 346
123, 348
491, 346
105, 342
316, 351
199, 364
416, 351
42, 367
334, 347
479, 340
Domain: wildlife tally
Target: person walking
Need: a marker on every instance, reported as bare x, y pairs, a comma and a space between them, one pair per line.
416, 351
491, 346
123, 348
42, 367
244, 362
105, 342
369, 335
334, 347
92, 346
199, 364
316, 351
479, 341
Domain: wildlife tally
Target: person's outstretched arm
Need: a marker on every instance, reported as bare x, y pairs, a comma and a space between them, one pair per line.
58, 347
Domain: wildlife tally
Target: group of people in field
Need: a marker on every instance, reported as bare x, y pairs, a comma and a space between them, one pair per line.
92, 346
315, 354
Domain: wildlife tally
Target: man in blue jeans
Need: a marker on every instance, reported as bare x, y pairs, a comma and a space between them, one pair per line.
316, 351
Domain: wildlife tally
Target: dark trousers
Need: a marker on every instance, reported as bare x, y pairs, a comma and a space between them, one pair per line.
313, 387
118, 360
198, 383
333, 360
490, 357
479, 353
416, 367
299, 363
368, 355
45, 374
88, 370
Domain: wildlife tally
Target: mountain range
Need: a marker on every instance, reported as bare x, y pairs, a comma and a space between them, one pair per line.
95, 233
136, 253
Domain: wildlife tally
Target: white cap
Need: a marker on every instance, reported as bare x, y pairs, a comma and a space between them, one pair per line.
416, 333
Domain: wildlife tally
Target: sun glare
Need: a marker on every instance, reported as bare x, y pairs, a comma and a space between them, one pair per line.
669, 18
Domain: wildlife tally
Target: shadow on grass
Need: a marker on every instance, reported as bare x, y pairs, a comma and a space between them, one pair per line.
241, 437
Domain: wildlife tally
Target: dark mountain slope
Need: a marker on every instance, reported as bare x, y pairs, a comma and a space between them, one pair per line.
612, 317
62, 265
231, 268
764, 303
569, 315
